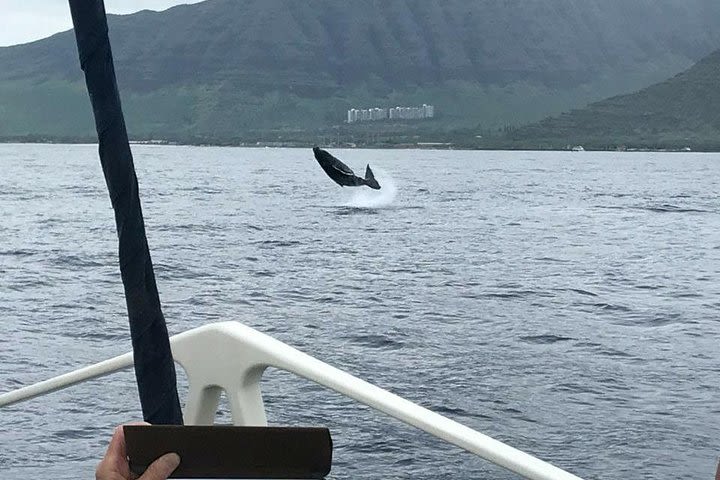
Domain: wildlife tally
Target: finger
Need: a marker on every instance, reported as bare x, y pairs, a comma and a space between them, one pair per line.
161, 468
125, 465
114, 456
115, 459
116, 449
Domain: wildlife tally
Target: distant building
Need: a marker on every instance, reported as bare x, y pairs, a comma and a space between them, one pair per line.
394, 113
352, 115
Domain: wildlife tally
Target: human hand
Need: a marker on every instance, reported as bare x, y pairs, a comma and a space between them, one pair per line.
115, 465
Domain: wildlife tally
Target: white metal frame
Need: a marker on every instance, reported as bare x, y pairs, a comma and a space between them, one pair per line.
232, 357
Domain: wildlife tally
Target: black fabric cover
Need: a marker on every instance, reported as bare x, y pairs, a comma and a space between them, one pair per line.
154, 367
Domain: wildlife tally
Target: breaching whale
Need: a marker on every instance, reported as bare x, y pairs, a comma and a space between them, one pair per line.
341, 173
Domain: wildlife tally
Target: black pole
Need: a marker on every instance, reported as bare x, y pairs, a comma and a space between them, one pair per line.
154, 367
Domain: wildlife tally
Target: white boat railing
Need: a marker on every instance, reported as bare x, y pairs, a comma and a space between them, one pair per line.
232, 357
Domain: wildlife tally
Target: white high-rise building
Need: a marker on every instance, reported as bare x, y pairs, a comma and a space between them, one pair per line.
393, 113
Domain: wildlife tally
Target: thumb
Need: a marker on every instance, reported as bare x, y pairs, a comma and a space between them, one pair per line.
161, 468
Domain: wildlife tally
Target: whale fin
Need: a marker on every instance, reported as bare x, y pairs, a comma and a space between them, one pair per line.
370, 179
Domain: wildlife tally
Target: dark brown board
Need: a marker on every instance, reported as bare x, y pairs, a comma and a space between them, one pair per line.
233, 452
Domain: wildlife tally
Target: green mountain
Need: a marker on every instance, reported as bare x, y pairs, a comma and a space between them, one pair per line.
681, 112
230, 70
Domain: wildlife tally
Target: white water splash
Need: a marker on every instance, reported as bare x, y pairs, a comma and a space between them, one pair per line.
365, 197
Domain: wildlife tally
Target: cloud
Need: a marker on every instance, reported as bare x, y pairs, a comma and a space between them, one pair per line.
23, 21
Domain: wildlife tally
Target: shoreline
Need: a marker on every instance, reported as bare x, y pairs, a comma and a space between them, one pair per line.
418, 146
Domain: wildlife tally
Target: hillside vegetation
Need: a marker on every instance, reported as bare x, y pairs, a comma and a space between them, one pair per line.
681, 112
227, 70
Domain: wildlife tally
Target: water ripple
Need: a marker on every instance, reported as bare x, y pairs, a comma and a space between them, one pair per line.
566, 307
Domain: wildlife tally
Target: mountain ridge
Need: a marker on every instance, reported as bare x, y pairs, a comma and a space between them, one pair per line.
218, 66
680, 112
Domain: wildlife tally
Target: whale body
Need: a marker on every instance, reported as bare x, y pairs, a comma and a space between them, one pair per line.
342, 174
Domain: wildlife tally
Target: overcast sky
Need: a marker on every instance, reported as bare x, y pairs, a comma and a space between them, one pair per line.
23, 21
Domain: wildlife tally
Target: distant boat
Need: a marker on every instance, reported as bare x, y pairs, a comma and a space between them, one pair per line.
578, 148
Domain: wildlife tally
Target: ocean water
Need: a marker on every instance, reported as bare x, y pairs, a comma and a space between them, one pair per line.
564, 303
